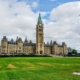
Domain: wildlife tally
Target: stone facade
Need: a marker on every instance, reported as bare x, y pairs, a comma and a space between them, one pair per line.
29, 47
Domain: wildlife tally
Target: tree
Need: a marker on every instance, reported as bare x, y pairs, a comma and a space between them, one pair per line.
74, 52
69, 49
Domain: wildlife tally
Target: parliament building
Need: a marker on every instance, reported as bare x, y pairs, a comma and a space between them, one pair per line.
18, 46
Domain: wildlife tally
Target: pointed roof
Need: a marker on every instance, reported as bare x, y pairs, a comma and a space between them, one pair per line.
26, 39
4, 38
51, 42
17, 38
39, 19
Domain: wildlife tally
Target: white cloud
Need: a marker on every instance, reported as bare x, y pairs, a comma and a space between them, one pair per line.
45, 13
34, 5
65, 24
19, 19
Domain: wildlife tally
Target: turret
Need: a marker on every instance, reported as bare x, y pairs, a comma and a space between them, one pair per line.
19, 45
4, 39
19, 40
63, 44
64, 48
4, 45
54, 47
26, 41
54, 43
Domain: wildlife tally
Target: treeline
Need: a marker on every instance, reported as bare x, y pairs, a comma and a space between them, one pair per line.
23, 55
73, 52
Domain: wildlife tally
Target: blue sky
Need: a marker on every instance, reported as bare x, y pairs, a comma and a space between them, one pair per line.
47, 5
60, 18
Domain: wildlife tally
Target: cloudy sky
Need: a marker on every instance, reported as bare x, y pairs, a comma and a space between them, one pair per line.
61, 19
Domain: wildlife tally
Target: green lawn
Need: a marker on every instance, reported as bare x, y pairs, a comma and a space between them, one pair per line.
39, 68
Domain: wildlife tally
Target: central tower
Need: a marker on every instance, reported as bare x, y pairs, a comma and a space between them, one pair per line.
39, 36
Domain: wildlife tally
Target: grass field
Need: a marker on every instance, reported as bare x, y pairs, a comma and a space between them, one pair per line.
39, 68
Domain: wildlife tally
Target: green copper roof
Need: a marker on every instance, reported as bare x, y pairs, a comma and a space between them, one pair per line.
30, 41
12, 40
39, 19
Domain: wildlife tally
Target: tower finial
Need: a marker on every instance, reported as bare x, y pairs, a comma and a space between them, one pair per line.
39, 19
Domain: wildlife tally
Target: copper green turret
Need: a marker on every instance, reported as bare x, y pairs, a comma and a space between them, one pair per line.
39, 19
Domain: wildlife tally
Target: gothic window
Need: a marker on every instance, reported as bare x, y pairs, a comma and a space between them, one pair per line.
40, 29
40, 34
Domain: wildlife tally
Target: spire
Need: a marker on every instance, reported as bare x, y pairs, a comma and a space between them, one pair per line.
26, 39
17, 39
39, 19
47, 43
51, 42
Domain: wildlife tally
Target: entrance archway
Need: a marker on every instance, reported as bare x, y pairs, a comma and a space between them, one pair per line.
41, 52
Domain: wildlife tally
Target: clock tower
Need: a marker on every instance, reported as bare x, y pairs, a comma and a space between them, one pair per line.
39, 36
